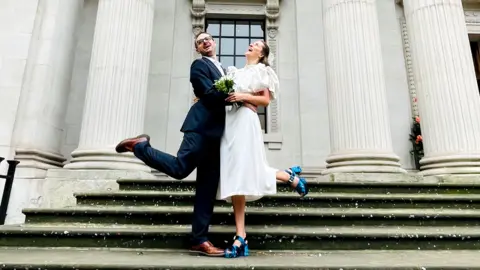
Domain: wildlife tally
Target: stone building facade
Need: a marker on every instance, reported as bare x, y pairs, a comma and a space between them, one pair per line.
76, 76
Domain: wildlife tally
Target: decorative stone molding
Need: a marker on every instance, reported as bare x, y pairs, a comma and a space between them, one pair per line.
198, 11
472, 19
250, 9
268, 9
272, 12
408, 64
472, 16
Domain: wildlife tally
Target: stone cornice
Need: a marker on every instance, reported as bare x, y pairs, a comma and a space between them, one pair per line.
472, 17
400, 2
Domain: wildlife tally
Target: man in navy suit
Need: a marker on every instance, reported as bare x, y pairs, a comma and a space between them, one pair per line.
200, 148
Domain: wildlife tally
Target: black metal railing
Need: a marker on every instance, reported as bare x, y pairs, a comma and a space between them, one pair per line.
7, 190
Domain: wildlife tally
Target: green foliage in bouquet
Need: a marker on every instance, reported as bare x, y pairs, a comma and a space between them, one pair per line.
225, 84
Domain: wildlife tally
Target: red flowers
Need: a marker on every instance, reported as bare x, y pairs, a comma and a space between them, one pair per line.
419, 139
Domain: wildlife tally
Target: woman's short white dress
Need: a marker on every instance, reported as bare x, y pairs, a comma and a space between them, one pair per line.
244, 168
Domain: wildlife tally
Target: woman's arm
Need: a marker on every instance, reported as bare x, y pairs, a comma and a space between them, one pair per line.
262, 98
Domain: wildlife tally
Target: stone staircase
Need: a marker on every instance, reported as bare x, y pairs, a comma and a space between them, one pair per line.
340, 225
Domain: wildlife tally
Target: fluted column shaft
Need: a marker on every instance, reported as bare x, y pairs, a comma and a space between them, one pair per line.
117, 84
38, 130
360, 133
447, 91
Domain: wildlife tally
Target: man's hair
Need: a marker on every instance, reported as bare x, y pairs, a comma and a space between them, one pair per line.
197, 35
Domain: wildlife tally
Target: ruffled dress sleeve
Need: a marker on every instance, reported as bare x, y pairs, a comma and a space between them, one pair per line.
267, 79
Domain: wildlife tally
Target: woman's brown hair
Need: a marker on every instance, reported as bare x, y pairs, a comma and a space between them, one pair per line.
265, 52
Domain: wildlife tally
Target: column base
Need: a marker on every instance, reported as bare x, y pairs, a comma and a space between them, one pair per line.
38, 159
455, 164
363, 163
60, 185
29, 180
105, 159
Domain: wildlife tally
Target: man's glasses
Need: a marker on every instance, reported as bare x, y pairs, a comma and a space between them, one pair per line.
202, 40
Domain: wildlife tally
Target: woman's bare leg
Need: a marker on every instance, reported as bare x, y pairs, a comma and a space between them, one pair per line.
299, 184
284, 177
239, 212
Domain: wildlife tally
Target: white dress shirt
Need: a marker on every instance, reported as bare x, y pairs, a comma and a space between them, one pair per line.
217, 64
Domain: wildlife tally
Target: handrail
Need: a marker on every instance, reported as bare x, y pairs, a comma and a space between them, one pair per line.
7, 190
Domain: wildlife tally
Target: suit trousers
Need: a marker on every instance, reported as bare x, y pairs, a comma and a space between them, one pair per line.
196, 151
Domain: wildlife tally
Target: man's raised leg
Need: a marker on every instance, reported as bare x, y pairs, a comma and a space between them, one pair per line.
178, 167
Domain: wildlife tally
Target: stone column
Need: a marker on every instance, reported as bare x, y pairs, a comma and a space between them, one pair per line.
447, 91
359, 124
40, 121
39, 125
117, 85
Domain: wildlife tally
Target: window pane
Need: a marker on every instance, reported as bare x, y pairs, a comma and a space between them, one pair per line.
226, 46
227, 61
241, 46
253, 40
242, 29
213, 28
240, 61
227, 28
256, 30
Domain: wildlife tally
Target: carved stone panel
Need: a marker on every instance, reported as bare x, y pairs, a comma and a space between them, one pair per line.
272, 12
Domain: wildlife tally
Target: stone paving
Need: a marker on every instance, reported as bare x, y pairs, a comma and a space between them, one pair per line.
48, 258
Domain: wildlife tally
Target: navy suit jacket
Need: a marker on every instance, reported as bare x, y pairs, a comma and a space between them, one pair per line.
207, 116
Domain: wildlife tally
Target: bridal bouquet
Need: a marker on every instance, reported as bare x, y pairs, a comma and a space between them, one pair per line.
225, 84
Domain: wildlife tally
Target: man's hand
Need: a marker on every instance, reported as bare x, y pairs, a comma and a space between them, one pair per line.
195, 99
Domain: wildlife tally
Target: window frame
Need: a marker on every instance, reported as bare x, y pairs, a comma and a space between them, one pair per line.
268, 10
262, 111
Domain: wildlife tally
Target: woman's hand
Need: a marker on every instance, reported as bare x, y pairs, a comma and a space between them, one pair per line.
237, 97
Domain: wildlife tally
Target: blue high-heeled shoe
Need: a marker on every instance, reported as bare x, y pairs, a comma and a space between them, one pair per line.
301, 187
295, 170
237, 251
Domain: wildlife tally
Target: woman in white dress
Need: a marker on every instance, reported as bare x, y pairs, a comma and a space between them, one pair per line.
244, 171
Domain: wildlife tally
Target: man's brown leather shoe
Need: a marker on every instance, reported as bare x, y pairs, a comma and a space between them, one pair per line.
128, 144
208, 249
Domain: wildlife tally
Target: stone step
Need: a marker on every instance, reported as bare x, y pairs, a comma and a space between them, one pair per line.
259, 237
288, 199
151, 215
113, 259
319, 185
